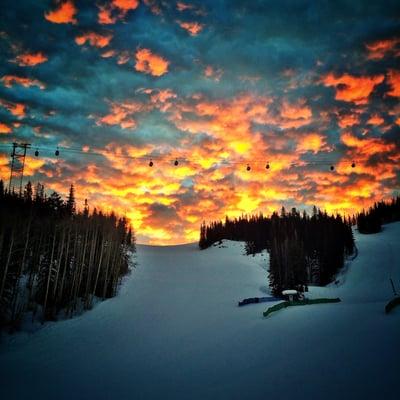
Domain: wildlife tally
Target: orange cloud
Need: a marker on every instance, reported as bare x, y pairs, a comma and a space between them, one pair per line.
105, 16
125, 5
122, 114
95, 39
4, 167
32, 165
30, 59
108, 54
10, 80
4, 128
163, 95
183, 7
194, 28
180, 6
351, 88
161, 98
366, 146
227, 120
394, 82
295, 111
347, 120
295, 114
16, 109
379, 48
375, 119
314, 142
150, 63
64, 13
115, 10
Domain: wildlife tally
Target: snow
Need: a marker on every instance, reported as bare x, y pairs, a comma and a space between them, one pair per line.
175, 332
289, 291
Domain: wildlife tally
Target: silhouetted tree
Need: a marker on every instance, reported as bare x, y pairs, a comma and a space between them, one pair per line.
71, 204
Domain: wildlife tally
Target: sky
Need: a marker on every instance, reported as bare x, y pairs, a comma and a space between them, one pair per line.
223, 87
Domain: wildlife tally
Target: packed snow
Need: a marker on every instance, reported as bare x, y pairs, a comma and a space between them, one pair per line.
175, 332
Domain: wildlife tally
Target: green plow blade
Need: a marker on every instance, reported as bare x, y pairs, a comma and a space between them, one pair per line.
304, 302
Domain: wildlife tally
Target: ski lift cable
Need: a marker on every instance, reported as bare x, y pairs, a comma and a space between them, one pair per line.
151, 158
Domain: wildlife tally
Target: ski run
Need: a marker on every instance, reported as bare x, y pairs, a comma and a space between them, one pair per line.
175, 331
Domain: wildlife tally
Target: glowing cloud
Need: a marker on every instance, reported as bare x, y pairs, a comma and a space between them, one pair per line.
10, 80
108, 54
352, 88
375, 119
30, 59
105, 16
193, 28
312, 142
4, 128
4, 165
380, 48
394, 82
295, 111
115, 10
150, 63
122, 114
347, 120
295, 114
63, 14
161, 98
180, 6
16, 109
32, 165
94, 39
366, 146
125, 5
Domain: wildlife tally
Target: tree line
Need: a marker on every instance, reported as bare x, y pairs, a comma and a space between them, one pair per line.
382, 212
302, 249
54, 259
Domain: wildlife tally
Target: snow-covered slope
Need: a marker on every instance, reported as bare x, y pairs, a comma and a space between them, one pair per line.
175, 332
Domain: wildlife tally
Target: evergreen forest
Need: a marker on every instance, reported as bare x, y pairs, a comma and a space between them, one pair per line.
382, 212
302, 249
56, 261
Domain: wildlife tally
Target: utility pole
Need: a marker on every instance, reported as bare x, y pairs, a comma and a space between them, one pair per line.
17, 165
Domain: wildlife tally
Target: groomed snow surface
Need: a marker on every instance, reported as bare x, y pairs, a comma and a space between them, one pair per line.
175, 332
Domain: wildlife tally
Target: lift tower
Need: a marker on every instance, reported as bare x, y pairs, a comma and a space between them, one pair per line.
17, 166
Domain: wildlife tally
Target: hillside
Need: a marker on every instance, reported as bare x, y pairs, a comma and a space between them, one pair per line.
175, 332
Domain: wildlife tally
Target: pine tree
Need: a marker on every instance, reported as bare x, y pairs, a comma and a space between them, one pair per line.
71, 204
39, 192
86, 209
28, 193
55, 202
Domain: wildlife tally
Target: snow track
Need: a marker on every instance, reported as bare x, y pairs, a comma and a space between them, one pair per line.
175, 332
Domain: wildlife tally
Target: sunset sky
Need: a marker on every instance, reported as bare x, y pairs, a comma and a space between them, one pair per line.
218, 85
